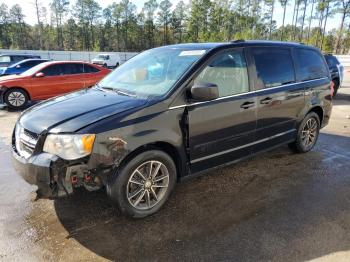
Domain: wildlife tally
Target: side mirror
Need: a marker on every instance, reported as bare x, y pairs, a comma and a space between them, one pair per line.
204, 91
40, 74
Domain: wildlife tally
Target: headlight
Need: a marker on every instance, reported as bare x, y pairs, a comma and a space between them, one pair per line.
69, 147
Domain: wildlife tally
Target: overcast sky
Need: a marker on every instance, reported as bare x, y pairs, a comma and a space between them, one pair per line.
28, 10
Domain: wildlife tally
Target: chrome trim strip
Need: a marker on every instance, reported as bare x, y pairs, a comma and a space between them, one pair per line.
32, 146
241, 147
251, 92
175, 107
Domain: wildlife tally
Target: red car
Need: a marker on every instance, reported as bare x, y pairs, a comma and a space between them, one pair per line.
47, 80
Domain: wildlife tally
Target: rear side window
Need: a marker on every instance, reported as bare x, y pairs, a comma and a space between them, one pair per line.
30, 63
72, 69
331, 60
18, 58
228, 71
311, 64
90, 69
274, 66
53, 70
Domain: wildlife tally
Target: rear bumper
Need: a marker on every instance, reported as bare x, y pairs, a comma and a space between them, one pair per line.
36, 171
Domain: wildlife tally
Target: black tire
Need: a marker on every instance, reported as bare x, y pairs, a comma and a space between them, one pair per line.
117, 64
16, 98
105, 65
119, 184
300, 145
336, 87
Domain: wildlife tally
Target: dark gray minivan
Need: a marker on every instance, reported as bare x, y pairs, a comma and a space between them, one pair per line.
172, 112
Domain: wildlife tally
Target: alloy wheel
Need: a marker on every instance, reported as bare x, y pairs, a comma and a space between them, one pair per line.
147, 185
309, 133
16, 99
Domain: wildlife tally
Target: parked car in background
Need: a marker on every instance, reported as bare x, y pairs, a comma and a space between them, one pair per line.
47, 80
172, 112
20, 67
107, 60
337, 71
9, 59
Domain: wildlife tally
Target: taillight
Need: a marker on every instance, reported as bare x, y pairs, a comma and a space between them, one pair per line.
332, 88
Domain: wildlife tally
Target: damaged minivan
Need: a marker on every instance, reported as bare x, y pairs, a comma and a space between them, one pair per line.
170, 113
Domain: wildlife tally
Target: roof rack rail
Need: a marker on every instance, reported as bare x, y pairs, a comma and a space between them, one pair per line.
237, 41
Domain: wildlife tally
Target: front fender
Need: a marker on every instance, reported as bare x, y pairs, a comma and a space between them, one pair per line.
113, 146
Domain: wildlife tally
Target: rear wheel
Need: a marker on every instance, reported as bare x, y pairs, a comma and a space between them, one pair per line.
308, 132
117, 64
105, 65
16, 98
142, 186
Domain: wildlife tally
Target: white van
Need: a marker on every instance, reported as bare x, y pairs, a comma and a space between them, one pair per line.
107, 60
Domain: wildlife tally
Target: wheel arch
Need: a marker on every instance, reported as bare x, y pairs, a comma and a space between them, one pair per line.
336, 78
166, 147
17, 87
319, 111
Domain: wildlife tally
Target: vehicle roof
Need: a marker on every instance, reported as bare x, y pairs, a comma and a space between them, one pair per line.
32, 59
27, 60
237, 43
65, 62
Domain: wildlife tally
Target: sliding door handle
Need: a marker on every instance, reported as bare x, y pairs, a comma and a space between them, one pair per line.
266, 101
247, 105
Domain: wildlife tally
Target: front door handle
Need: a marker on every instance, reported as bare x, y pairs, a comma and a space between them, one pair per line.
247, 105
266, 101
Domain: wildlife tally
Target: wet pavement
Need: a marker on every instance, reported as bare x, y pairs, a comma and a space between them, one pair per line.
277, 206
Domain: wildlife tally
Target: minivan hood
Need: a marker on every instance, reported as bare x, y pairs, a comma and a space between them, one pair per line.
73, 111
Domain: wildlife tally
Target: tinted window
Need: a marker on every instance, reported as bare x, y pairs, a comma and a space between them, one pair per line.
103, 57
310, 64
72, 69
18, 58
331, 60
228, 71
90, 69
274, 66
53, 70
30, 63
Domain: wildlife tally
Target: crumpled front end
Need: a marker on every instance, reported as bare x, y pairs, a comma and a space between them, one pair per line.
54, 177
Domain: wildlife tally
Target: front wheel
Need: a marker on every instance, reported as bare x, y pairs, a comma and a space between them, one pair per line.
142, 186
308, 132
16, 98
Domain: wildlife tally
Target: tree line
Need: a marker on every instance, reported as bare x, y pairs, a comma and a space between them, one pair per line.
85, 25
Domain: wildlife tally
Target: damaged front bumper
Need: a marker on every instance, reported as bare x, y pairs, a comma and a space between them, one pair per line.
36, 171
53, 176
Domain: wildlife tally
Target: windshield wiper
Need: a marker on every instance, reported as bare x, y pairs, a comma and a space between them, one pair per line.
98, 86
118, 91
124, 93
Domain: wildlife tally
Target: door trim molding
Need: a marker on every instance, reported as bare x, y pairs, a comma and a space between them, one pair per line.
241, 147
